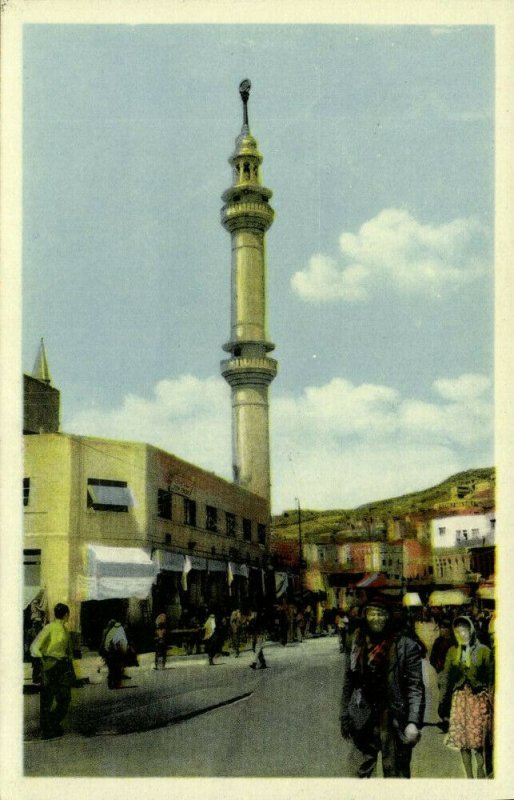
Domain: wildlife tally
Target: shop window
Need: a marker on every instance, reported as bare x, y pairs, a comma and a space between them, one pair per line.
261, 533
26, 491
211, 518
189, 511
107, 495
247, 530
230, 524
164, 503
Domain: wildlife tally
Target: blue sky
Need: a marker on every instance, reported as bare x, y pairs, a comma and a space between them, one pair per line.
378, 144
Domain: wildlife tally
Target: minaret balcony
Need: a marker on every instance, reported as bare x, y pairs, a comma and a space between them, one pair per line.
241, 371
250, 214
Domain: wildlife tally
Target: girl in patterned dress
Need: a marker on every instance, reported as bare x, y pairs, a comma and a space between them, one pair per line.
466, 696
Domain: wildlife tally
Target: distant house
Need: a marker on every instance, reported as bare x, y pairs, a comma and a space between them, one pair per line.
463, 530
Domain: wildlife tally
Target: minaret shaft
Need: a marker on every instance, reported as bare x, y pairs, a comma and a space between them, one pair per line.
249, 371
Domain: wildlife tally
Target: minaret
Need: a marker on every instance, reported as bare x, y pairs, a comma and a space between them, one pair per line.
247, 215
40, 370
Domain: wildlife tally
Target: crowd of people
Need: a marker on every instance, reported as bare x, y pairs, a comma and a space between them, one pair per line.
386, 652
384, 684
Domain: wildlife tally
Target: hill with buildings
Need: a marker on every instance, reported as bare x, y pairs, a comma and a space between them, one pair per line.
472, 491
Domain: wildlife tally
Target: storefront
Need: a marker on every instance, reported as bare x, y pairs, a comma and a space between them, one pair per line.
116, 582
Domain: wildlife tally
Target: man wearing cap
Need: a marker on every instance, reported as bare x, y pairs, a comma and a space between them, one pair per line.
383, 698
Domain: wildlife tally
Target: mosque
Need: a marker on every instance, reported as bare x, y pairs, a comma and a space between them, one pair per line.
117, 528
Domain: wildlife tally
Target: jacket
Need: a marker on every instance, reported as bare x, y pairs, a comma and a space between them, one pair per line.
478, 673
403, 693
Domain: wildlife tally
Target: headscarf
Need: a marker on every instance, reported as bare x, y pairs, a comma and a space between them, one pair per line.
465, 650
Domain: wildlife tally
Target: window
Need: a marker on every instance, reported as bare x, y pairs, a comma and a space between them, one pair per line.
261, 533
230, 524
32, 567
475, 531
26, 491
164, 503
442, 531
247, 530
107, 495
189, 511
211, 518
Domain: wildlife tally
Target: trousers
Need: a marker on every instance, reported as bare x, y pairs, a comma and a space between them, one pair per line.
379, 735
55, 697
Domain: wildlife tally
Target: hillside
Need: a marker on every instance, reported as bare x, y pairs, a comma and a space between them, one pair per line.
465, 492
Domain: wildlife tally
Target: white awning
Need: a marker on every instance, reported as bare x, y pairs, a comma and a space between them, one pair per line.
239, 569
486, 591
111, 495
198, 563
168, 562
116, 572
448, 597
214, 565
411, 599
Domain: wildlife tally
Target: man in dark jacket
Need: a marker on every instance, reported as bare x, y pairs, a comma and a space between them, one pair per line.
383, 698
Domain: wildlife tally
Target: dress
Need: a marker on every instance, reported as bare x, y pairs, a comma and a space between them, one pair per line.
466, 698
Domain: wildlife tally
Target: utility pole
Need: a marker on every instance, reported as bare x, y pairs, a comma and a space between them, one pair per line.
300, 546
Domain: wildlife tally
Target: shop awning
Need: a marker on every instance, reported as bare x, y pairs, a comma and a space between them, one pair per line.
239, 569
313, 581
372, 580
411, 600
116, 572
168, 562
486, 591
214, 565
448, 597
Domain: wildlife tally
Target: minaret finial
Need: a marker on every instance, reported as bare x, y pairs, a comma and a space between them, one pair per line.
244, 91
41, 371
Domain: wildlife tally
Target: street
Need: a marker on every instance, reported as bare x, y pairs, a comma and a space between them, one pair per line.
226, 721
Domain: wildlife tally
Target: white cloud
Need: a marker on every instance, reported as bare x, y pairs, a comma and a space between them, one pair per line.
334, 446
394, 251
188, 417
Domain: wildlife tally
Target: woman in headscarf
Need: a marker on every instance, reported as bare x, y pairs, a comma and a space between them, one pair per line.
466, 695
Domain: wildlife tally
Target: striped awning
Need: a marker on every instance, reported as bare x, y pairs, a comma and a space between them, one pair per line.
372, 580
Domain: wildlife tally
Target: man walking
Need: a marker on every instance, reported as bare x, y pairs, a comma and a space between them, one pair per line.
53, 646
383, 698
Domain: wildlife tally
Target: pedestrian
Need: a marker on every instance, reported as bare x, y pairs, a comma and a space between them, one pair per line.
466, 696
236, 622
53, 646
38, 620
209, 638
259, 661
114, 650
342, 623
383, 697
161, 641
441, 645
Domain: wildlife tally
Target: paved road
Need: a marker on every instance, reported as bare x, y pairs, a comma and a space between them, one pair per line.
278, 722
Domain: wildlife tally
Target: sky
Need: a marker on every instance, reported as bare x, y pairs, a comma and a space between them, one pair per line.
378, 145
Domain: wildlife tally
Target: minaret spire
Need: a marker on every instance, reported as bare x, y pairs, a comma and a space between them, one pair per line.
247, 215
41, 370
244, 91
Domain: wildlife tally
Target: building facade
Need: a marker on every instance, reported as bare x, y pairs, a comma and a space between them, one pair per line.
113, 520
